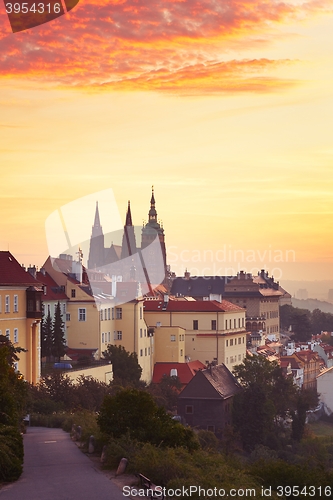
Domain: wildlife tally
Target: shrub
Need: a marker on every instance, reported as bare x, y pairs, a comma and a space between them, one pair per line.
11, 453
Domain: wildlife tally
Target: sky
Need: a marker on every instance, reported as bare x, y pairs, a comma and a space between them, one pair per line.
226, 107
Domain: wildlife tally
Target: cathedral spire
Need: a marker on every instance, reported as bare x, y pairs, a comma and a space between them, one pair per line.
128, 215
97, 221
152, 215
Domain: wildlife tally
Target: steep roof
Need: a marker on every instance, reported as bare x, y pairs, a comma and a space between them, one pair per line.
185, 371
216, 382
199, 286
191, 306
53, 291
12, 273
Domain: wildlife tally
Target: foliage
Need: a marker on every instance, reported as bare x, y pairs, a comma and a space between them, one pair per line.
266, 398
57, 392
47, 336
166, 392
58, 334
299, 320
305, 400
135, 413
11, 453
13, 389
125, 365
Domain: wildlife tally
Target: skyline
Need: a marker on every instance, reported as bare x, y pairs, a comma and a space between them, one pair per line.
227, 112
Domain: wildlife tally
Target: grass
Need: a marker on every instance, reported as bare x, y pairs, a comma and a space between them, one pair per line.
321, 428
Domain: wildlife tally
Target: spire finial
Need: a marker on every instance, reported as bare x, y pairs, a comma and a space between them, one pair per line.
128, 215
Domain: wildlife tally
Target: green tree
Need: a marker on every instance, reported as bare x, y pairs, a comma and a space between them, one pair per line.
305, 400
125, 365
266, 398
47, 336
166, 392
59, 341
13, 389
135, 413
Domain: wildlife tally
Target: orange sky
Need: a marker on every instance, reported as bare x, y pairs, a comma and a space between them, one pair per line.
226, 107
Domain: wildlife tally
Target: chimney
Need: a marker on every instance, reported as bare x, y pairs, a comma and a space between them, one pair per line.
32, 270
187, 274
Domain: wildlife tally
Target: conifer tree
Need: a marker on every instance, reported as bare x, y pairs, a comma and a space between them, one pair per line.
59, 341
47, 336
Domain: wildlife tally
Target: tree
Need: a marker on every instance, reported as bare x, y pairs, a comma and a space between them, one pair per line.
166, 392
125, 365
59, 341
298, 319
47, 336
136, 414
266, 398
13, 389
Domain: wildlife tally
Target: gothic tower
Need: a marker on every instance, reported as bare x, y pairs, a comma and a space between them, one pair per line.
150, 229
128, 246
96, 250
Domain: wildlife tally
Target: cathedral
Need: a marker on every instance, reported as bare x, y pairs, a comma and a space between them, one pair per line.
129, 260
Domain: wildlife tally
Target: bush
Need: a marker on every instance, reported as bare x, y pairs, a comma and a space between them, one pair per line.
11, 453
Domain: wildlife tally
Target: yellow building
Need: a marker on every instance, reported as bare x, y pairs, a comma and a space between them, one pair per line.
95, 320
213, 330
20, 314
169, 344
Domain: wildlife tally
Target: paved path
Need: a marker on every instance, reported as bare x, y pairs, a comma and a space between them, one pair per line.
55, 469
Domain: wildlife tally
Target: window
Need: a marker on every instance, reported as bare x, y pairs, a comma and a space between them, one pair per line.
140, 312
240, 340
173, 338
102, 338
105, 312
109, 313
109, 337
238, 322
119, 335
226, 324
226, 343
195, 324
213, 324
145, 332
15, 303
230, 324
234, 323
119, 312
181, 352
7, 304
243, 340
101, 314
82, 314
141, 352
140, 333
189, 409
148, 351
15, 335
68, 317
231, 342
8, 334
73, 293
145, 351
113, 313
242, 322
48, 309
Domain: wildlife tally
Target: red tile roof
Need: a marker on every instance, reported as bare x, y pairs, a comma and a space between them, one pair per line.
192, 306
53, 291
12, 273
185, 371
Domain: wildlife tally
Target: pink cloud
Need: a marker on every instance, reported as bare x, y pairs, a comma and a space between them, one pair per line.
166, 45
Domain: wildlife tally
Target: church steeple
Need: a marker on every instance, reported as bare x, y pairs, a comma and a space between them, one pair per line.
96, 250
128, 215
152, 215
128, 246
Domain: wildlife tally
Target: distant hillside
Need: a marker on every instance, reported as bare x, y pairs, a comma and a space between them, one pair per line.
312, 304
